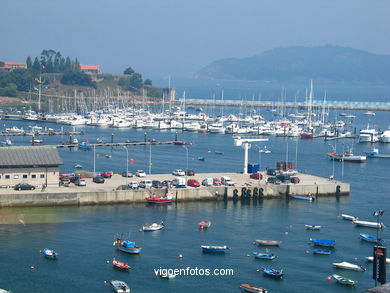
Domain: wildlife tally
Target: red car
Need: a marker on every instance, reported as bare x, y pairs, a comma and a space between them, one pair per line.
216, 182
62, 175
106, 174
193, 183
256, 176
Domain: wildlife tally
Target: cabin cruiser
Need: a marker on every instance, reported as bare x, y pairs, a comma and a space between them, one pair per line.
385, 136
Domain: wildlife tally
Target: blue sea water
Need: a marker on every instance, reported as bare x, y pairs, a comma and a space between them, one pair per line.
83, 235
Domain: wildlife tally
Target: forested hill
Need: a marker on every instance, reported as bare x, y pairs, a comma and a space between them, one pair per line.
328, 63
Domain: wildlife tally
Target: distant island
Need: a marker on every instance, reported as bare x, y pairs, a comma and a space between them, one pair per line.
325, 63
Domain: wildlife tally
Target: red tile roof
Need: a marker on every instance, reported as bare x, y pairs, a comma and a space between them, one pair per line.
89, 67
15, 63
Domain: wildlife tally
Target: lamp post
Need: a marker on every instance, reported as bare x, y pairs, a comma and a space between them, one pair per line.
94, 160
127, 164
259, 150
150, 158
378, 214
187, 160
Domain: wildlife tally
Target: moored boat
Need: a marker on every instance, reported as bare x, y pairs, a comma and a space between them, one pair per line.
250, 288
120, 264
349, 217
4, 291
152, 227
326, 243
262, 255
322, 251
370, 238
126, 246
268, 242
214, 248
120, 286
49, 253
312, 227
348, 156
302, 196
344, 280
204, 224
369, 224
348, 266
272, 272
159, 199
371, 259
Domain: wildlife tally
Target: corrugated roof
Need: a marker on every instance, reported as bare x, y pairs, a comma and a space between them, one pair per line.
29, 156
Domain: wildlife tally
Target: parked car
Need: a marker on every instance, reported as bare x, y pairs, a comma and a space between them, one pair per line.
98, 179
179, 182
290, 172
178, 172
284, 178
273, 180
140, 173
80, 182
133, 185
73, 178
193, 183
65, 180
271, 172
62, 175
157, 184
216, 182
106, 174
256, 175
295, 180
208, 181
145, 184
167, 183
127, 174
227, 181
24, 186
190, 173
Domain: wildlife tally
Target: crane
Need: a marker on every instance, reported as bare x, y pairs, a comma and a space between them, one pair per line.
245, 143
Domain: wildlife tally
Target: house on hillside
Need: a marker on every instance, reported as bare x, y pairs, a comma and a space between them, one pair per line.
92, 69
34, 165
9, 66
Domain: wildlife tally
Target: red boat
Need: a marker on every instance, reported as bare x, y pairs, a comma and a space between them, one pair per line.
307, 135
204, 224
120, 264
160, 199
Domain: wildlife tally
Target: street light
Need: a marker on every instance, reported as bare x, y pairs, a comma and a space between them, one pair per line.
378, 214
127, 164
259, 150
94, 160
187, 161
150, 158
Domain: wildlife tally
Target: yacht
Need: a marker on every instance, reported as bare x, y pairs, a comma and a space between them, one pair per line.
216, 128
368, 135
385, 136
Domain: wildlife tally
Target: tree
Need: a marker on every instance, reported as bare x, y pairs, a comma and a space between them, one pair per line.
135, 81
36, 65
77, 78
29, 62
1, 63
148, 82
9, 91
129, 71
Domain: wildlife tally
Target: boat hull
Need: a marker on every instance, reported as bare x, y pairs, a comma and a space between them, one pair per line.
307, 197
324, 243
214, 249
249, 288
268, 242
135, 250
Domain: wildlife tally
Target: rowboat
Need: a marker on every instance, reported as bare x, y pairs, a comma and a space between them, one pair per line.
214, 248
120, 264
204, 224
119, 286
371, 259
349, 218
49, 253
152, 227
262, 255
250, 288
272, 272
312, 227
348, 266
321, 251
369, 224
159, 199
268, 242
370, 238
126, 246
344, 280
302, 196
327, 243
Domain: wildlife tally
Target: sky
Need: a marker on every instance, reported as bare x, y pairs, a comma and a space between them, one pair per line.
176, 38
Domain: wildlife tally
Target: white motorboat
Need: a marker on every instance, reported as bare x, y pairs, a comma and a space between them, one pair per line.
368, 135
348, 266
4, 291
152, 227
369, 224
312, 227
216, 128
120, 286
371, 259
349, 217
385, 136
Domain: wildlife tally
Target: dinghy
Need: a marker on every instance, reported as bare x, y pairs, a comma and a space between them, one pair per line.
369, 224
312, 227
214, 248
262, 255
349, 218
250, 288
119, 286
344, 280
204, 224
326, 243
348, 266
268, 242
370, 238
49, 253
120, 265
272, 272
321, 251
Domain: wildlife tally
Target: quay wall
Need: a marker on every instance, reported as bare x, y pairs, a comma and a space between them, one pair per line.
47, 198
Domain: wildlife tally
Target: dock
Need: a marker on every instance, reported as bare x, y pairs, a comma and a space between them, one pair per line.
115, 190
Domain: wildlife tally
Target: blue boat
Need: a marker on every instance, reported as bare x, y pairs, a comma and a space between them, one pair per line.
370, 238
262, 255
214, 249
49, 253
327, 243
321, 251
126, 246
272, 272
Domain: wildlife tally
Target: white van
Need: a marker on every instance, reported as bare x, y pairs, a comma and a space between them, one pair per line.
179, 182
208, 182
145, 184
133, 185
227, 181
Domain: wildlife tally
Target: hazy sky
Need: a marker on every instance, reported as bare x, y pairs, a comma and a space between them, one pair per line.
178, 37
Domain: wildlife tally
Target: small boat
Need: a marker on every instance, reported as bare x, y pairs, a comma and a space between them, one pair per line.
308, 196
201, 158
152, 227
159, 199
204, 224
344, 280
268, 242
218, 153
272, 272
370, 238
322, 251
326, 243
4, 291
179, 142
120, 265
85, 145
7, 142
349, 218
108, 156
371, 259
374, 153
369, 224
49, 253
214, 248
126, 246
312, 227
78, 166
261, 255
348, 266
250, 288
348, 156
120, 286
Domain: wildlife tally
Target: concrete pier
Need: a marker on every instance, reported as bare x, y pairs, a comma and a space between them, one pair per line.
111, 191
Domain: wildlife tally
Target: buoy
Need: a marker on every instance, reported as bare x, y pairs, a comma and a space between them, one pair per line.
107, 261
40, 251
329, 278
248, 255
286, 233
105, 282
201, 227
32, 267
257, 270
180, 256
